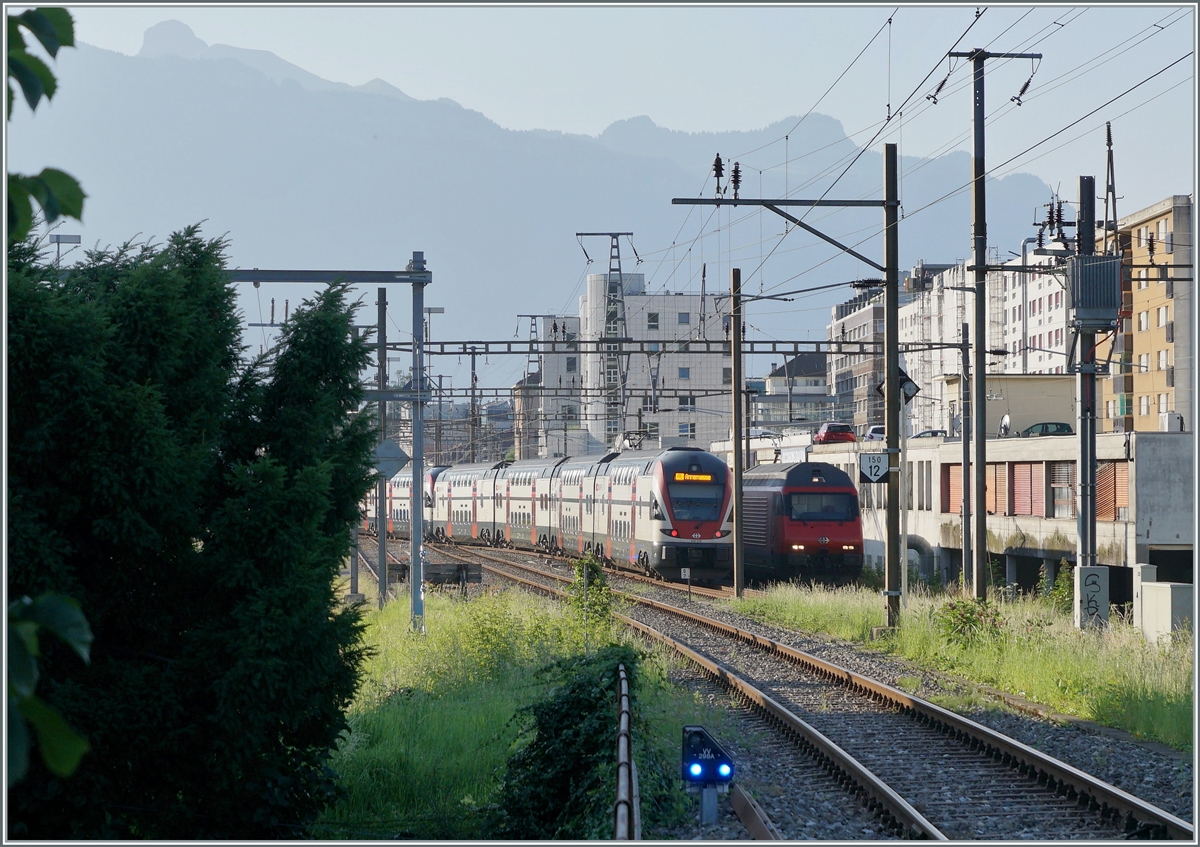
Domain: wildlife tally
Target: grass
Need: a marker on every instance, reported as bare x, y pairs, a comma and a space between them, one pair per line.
1110, 676
431, 729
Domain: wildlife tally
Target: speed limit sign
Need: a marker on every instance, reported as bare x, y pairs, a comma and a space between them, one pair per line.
872, 467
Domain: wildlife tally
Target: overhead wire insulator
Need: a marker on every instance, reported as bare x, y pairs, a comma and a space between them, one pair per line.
718, 171
938, 90
1021, 93
735, 178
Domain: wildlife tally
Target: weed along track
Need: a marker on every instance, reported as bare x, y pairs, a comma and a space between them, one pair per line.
917, 770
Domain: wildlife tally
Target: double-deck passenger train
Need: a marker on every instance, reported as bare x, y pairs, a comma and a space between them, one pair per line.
653, 511
801, 521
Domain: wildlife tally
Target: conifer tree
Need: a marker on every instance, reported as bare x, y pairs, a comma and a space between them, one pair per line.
198, 508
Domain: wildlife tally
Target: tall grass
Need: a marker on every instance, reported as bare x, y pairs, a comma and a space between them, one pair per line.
429, 730
1109, 676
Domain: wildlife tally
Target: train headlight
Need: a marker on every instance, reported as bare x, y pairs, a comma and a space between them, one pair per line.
848, 547
721, 533
797, 546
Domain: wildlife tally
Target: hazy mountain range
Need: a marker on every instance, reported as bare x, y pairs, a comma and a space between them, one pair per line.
302, 172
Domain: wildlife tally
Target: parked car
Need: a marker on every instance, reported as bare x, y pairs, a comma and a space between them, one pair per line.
830, 433
875, 433
931, 433
1047, 429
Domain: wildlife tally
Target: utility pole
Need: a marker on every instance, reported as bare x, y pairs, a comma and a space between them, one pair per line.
891, 241
979, 258
381, 513
892, 395
416, 570
473, 423
735, 320
1085, 241
965, 388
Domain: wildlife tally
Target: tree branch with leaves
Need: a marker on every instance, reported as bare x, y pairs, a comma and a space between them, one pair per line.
57, 193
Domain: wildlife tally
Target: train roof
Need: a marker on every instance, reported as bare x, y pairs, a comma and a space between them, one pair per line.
797, 473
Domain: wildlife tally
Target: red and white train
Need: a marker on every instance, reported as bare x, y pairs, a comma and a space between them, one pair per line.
653, 511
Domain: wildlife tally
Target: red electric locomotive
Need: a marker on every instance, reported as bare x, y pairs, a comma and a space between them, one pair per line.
801, 522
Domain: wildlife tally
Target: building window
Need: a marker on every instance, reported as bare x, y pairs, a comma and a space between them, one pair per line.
687, 402
1143, 321
647, 403
1162, 404
685, 317
727, 376
687, 430
652, 429
572, 364
685, 373
1144, 362
1162, 315
652, 320
1144, 405
1109, 407
653, 346
1163, 360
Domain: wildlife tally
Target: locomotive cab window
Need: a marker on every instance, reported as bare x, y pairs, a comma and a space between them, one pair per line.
822, 507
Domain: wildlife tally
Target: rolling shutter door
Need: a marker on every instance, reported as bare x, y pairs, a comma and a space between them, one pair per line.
1121, 494
1037, 487
1022, 488
1106, 491
954, 498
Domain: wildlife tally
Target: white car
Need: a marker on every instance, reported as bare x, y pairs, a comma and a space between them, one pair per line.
875, 433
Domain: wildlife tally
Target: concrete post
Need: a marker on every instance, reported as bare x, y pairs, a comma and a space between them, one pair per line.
1091, 596
1141, 575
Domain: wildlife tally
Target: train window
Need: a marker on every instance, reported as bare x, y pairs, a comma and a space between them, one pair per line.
823, 507
691, 502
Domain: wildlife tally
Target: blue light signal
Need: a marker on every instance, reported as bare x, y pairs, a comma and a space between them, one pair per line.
704, 762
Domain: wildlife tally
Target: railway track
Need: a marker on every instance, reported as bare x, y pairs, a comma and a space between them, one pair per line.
919, 770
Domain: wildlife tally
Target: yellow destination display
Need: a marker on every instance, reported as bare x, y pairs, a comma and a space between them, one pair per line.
682, 476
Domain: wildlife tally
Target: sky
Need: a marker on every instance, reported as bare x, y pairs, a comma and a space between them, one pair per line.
713, 68
875, 68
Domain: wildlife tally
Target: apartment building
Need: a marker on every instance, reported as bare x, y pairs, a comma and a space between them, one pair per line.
1153, 351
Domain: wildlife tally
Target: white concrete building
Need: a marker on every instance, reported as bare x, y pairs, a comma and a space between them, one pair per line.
673, 396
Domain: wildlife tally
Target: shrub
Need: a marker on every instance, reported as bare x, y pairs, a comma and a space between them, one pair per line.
559, 783
964, 621
1062, 595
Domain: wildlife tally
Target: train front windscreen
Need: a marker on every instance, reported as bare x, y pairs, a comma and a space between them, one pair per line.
823, 507
696, 502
